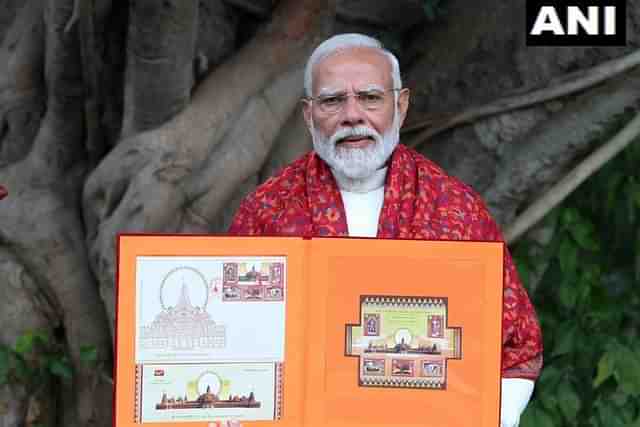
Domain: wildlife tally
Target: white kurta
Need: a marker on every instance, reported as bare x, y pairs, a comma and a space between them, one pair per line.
363, 211
362, 200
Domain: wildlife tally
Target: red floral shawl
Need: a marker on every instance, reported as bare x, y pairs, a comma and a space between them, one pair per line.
420, 202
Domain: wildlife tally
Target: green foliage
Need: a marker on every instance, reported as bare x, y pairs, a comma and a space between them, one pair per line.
588, 303
88, 354
36, 358
433, 9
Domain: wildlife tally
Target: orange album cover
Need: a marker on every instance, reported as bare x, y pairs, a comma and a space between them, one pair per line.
327, 332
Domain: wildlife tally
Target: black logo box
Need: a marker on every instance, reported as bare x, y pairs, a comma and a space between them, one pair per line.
548, 38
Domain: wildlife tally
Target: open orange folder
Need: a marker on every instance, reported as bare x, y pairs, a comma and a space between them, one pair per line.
286, 331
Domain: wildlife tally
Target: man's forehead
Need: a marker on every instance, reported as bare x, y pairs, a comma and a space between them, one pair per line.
367, 64
336, 88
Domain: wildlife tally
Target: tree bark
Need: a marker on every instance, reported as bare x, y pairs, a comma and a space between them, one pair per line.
161, 48
41, 223
22, 92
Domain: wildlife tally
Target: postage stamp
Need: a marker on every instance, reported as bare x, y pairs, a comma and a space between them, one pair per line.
433, 368
435, 327
253, 281
231, 293
373, 366
372, 324
402, 367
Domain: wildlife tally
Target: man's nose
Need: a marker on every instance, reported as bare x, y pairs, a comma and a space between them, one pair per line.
352, 113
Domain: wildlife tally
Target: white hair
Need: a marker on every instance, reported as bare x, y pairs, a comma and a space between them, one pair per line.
344, 42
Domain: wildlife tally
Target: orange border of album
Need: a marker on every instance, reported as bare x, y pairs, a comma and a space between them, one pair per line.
305, 360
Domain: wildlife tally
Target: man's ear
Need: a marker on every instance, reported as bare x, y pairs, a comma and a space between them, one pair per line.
403, 104
306, 113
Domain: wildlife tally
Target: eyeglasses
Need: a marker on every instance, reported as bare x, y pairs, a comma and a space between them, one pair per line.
369, 100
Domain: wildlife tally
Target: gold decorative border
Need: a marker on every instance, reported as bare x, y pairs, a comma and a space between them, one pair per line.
137, 407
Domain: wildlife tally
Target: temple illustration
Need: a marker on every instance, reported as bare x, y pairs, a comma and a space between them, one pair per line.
208, 400
402, 348
183, 327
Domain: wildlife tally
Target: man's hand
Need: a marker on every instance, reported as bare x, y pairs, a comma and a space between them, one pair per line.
516, 393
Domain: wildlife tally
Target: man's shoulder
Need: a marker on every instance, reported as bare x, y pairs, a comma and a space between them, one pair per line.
289, 180
267, 210
437, 180
448, 203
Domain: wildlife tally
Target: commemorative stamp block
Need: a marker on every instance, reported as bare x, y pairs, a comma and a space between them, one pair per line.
403, 342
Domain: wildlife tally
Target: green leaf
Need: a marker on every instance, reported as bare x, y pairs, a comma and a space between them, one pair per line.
609, 415
591, 274
613, 191
568, 401
568, 294
570, 216
627, 370
636, 196
637, 260
565, 341
524, 272
583, 232
88, 353
549, 401
619, 398
537, 417
549, 378
4, 364
61, 368
40, 337
583, 293
605, 369
429, 11
631, 205
568, 257
22, 370
24, 343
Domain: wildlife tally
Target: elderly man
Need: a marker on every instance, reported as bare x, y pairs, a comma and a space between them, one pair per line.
359, 182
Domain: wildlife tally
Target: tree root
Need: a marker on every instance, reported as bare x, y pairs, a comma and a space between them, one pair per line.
556, 88
552, 146
179, 175
556, 194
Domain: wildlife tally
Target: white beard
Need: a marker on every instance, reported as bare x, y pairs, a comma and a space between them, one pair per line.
357, 163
